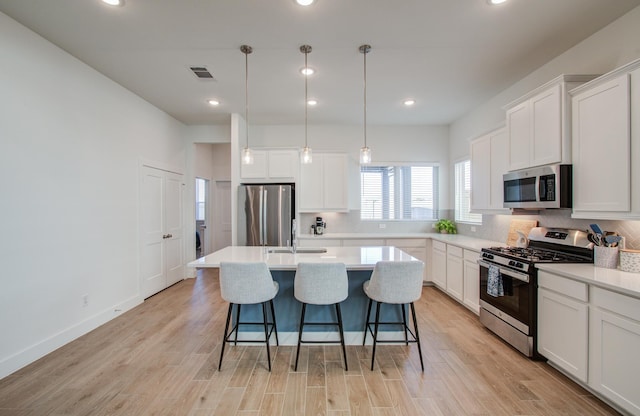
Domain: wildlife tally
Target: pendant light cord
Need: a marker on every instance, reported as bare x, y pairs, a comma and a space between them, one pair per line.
246, 49
306, 101
365, 49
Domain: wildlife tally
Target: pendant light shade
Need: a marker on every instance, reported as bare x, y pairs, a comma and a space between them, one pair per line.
306, 156
365, 152
247, 155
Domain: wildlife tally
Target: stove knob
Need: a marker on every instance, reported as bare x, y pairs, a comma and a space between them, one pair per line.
519, 265
512, 263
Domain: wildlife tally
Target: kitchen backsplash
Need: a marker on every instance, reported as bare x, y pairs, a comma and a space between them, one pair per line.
494, 227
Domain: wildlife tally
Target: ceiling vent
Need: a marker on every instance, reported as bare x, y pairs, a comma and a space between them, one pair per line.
202, 72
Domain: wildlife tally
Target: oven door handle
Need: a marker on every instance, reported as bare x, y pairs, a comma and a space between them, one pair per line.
507, 272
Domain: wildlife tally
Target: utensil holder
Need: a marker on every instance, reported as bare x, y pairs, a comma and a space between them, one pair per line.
630, 261
606, 257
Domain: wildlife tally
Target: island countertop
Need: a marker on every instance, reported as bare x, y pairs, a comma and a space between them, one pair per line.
355, 258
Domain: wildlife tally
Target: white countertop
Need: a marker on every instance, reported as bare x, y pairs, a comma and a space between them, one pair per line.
611, 279
355, 258
464, 241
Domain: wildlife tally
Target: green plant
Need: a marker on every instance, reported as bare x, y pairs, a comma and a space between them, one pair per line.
447, 226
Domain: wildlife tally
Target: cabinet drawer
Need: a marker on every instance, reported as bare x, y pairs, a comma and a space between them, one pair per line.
439, 245
320, 242
615, 302
406, 242
454, 251
567, 287
362, 242
471, 255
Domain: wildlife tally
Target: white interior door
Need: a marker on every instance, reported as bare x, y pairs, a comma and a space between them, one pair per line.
222, 215
161, 257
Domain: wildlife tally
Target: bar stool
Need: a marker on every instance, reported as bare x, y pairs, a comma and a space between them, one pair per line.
244, 284
399, 283
321, 284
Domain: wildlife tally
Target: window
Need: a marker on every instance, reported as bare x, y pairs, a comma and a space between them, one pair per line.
201, 187
398, 192
463, 194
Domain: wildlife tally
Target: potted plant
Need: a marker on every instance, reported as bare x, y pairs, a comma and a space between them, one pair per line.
446, 227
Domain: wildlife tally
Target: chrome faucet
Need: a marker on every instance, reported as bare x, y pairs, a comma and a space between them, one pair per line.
294, 236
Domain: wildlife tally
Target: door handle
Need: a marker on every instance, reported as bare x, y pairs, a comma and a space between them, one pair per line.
167, 236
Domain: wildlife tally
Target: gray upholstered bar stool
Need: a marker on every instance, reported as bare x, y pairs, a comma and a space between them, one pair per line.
321, 284
243, 284
399, 283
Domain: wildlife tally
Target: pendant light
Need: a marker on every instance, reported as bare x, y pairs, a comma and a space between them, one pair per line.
306, 155
365, 152
247, 155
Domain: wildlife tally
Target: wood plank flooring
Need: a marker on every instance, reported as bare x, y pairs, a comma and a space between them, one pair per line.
161, 359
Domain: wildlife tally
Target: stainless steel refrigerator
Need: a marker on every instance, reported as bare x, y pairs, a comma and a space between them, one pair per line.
265, 213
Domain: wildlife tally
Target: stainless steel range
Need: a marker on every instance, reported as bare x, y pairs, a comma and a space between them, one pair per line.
508, 281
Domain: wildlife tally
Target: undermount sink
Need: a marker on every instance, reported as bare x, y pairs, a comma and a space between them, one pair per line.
300, 250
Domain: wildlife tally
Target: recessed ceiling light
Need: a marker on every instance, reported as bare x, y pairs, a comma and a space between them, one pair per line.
214, 102
494, 2
305, 2
312, 102
114, 2
409, 102
307, 71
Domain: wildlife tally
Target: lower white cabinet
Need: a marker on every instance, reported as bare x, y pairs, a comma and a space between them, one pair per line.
319, 242
439, 264
455, 271
471, 284
563, 317
368, 242
614, 341
416, 247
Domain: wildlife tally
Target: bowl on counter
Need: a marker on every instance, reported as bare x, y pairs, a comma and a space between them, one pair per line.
630, 260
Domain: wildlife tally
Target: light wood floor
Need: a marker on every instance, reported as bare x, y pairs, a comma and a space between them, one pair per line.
161, 359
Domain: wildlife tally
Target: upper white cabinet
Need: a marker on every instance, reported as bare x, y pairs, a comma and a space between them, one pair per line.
489, 161
606, 146
324, 183
271, 166
538, 127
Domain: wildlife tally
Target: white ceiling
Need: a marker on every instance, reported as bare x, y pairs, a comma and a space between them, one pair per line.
449, 55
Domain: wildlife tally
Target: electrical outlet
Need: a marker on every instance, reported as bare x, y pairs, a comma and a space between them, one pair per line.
85, 301
382, 226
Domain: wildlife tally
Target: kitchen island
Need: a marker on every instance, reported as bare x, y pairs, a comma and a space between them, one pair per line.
359, 261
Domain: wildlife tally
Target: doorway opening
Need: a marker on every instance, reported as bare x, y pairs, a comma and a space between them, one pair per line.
202, 199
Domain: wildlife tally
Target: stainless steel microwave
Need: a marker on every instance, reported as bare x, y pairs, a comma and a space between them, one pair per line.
538, 188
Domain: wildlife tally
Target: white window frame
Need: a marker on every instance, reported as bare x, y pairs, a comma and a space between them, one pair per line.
391, 206
462, 193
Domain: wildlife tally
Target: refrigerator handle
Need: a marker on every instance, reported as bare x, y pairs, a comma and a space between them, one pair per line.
263, 219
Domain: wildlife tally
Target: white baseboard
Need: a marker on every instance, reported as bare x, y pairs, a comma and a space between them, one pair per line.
30, 354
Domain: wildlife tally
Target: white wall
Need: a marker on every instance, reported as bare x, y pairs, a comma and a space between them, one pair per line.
71, 142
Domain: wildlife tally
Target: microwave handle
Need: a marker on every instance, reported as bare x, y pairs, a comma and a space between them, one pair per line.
541, 188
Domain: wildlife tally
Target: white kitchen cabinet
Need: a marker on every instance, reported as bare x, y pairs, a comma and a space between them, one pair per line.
324, 184
319, 242
415, 247
439, 264
471, 284
538, 126
606, 146
489, 158
614, 342
363, 242
563, 317
271, 166
455, 272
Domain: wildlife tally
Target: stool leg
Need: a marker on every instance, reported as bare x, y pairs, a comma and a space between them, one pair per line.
273, 315
304, 308
266, 332
404, 321
415, 326
375, 335
344, 349
224, 339
366, 323
235, 341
